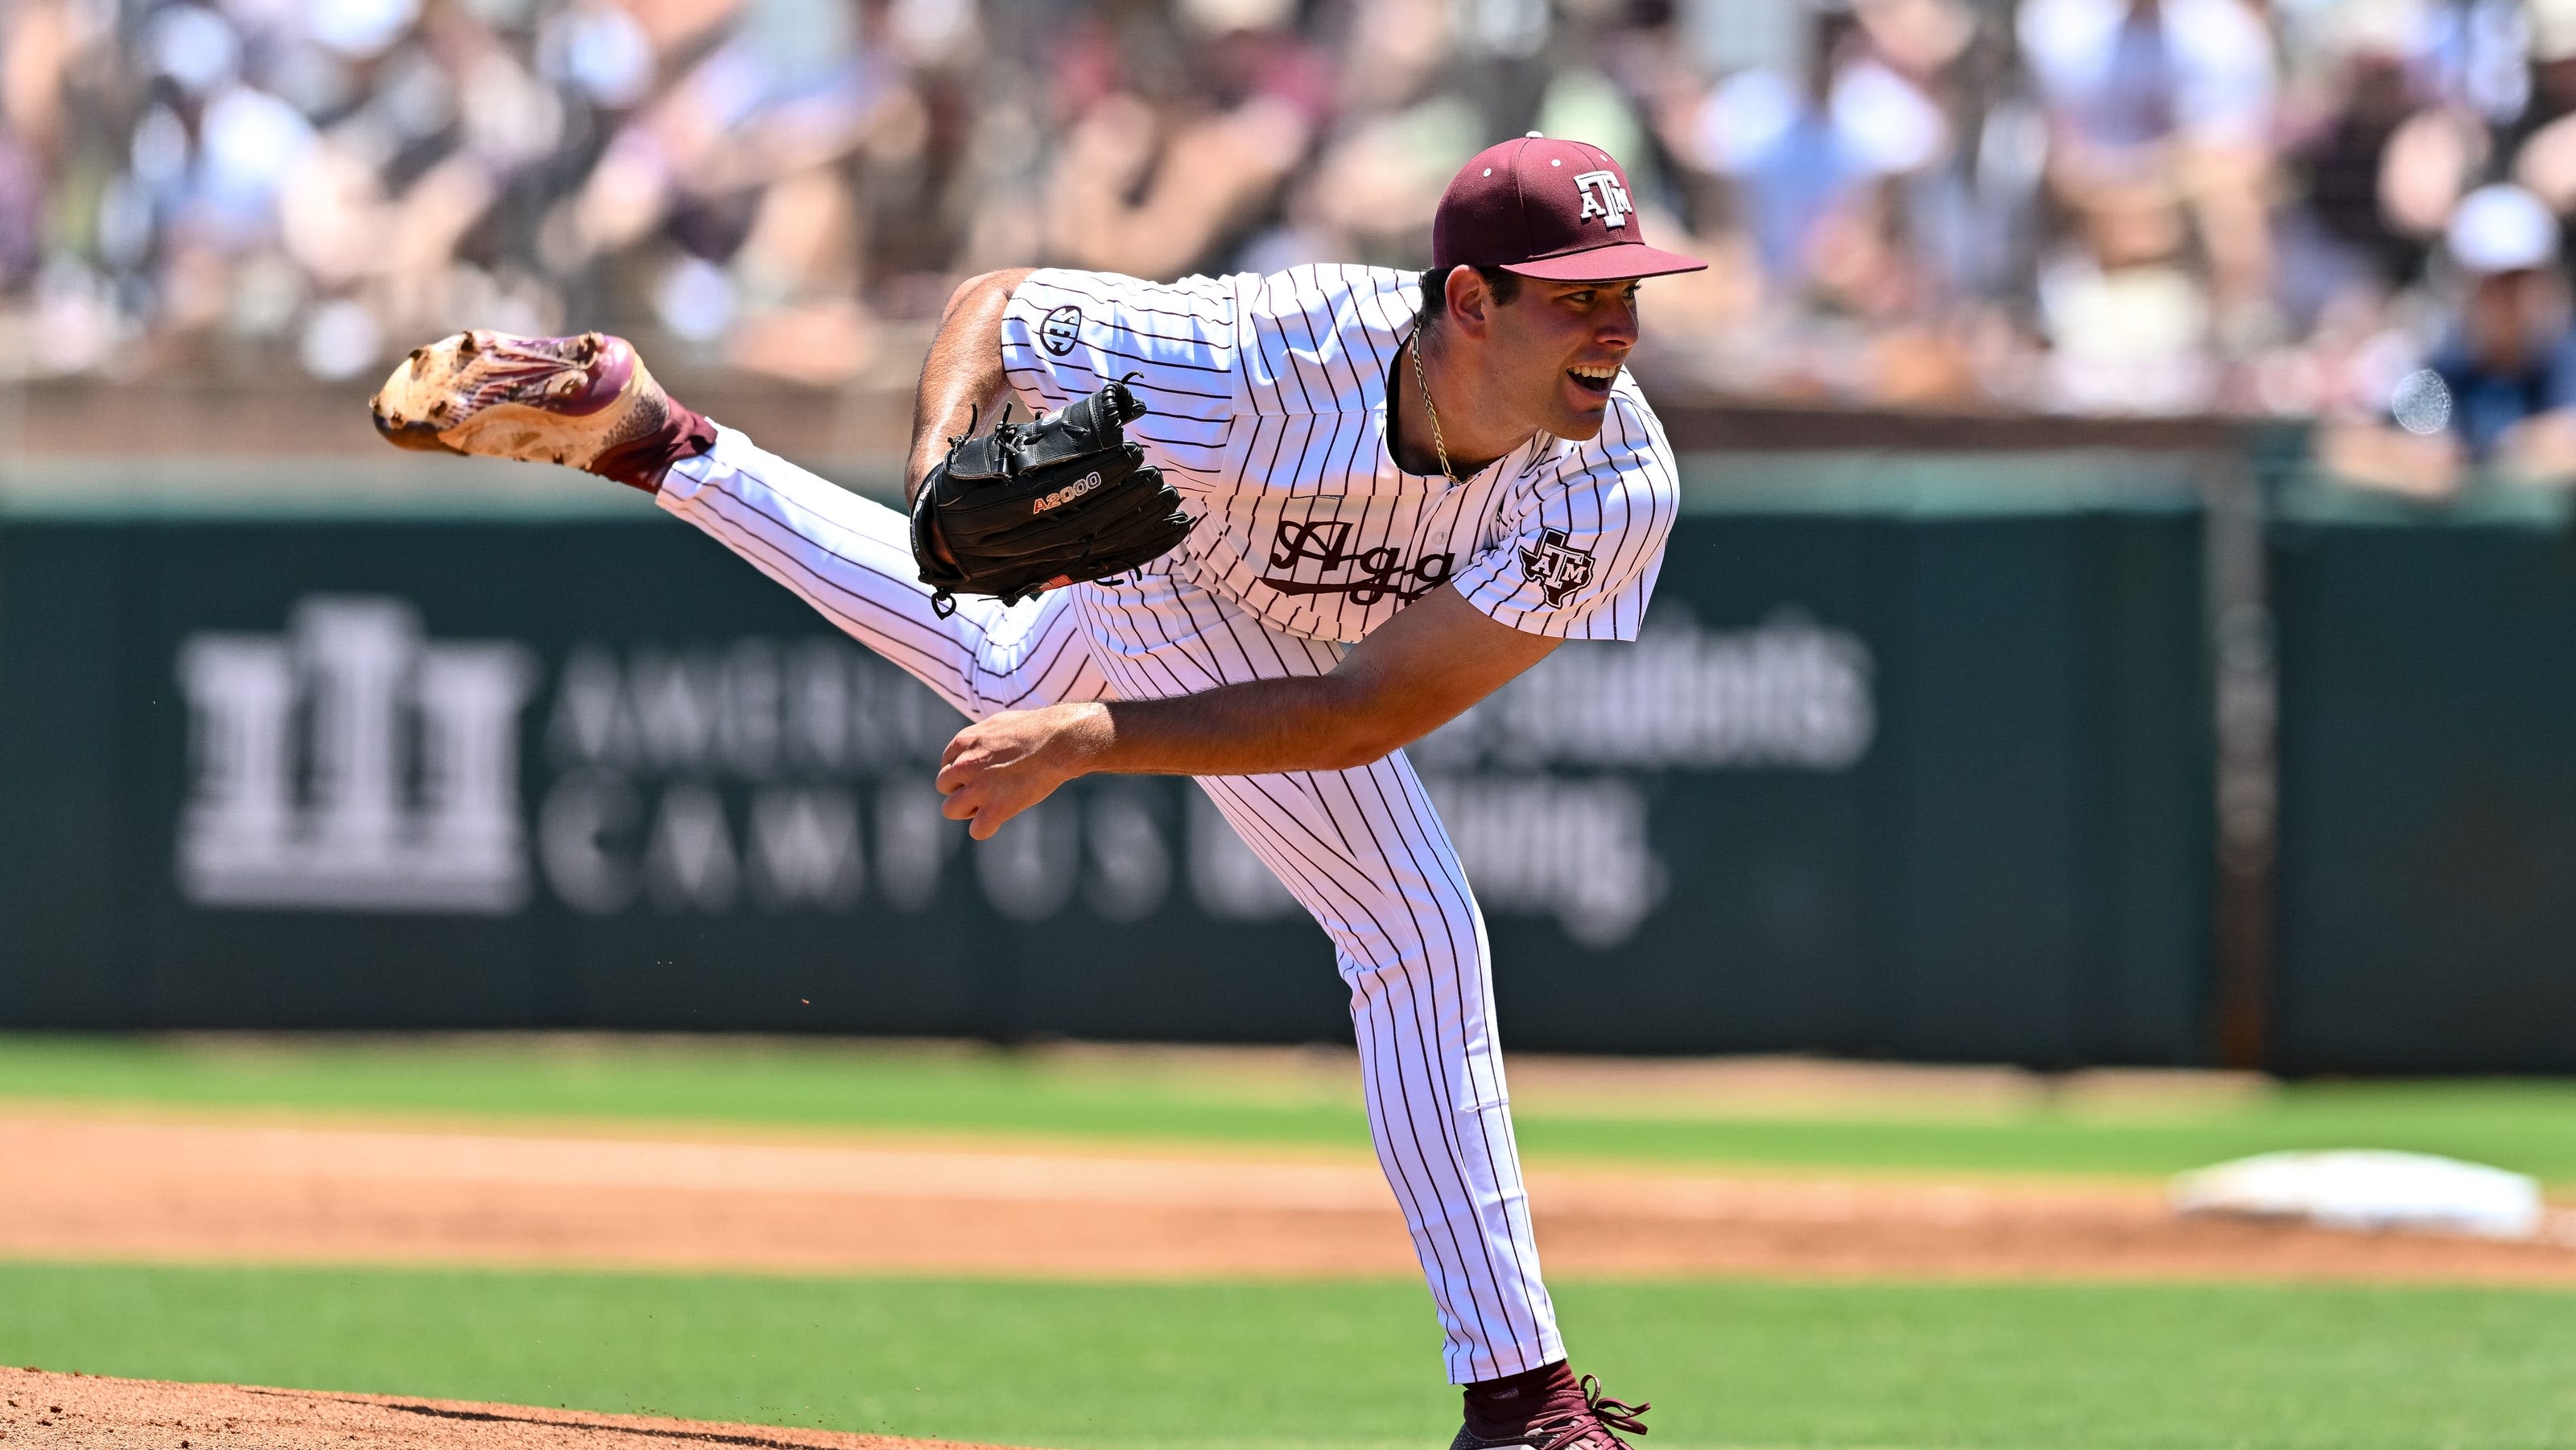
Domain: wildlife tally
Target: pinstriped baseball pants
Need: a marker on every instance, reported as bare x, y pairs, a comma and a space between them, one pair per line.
1360, 849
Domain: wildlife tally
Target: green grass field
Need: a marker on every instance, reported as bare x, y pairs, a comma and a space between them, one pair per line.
2527, 1126
1352, 1366
2003, 1367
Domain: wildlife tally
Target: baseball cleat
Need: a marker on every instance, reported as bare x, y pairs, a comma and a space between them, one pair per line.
584, 401
1564, 1422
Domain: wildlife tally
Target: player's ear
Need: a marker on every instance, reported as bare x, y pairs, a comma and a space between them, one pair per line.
1470, 301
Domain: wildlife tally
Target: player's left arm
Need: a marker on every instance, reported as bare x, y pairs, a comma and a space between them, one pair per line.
1410, 676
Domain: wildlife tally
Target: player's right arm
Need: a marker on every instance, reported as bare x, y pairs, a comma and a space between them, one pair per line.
962, 378
1410, 676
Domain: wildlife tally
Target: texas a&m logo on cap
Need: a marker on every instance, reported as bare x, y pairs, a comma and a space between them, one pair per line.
1555, 567
1511, 206
1604, 197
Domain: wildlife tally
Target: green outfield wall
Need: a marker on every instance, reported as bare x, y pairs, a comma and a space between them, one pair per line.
2427, 896
1915, 759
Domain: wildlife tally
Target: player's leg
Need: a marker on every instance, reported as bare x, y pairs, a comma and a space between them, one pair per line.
587, 402
851, 558
1365, 853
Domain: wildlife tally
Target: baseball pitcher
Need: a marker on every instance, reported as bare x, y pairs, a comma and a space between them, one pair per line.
1262, 531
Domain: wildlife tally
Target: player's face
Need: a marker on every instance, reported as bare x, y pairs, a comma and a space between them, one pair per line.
1561, 345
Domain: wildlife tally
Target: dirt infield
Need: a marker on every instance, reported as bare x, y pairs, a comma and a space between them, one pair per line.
45, 1410
86, 1184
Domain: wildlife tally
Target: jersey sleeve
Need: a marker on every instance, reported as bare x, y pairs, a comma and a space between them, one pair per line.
1587, 541
1066, 333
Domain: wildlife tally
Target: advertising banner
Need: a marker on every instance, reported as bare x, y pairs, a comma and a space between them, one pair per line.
1867, 784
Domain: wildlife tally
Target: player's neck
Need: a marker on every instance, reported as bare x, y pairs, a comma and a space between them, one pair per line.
1471, 439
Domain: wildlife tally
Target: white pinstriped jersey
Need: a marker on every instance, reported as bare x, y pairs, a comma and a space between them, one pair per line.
1268, 399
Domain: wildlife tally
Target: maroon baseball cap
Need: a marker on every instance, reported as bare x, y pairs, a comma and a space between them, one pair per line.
1558, 211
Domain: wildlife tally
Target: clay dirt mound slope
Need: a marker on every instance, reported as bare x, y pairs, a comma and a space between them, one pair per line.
41, 1409
98, 1186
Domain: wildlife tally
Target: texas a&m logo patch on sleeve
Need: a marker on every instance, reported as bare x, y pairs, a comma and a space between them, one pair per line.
1555, 567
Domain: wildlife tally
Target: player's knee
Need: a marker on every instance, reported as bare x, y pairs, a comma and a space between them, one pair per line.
1444, 951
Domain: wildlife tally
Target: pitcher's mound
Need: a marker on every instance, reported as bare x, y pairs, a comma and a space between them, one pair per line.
41, 1409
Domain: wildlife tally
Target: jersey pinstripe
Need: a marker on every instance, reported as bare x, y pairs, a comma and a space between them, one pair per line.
1269, 413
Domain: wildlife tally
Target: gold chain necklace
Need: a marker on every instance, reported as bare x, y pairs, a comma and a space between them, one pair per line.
1439, 445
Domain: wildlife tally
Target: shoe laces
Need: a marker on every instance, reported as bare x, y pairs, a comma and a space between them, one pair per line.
511, 363
1599, 1411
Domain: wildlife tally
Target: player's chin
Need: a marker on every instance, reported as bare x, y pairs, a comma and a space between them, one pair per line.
1579, 414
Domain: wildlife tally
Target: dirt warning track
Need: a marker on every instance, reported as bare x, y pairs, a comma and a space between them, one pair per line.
91, 1185
63, 1410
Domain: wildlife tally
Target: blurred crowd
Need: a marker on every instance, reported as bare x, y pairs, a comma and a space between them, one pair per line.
2065, 205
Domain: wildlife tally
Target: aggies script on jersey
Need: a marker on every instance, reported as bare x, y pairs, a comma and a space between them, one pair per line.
1268, 398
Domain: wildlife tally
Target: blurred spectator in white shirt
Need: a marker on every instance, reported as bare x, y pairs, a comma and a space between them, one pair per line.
2160, 126
1807, 152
